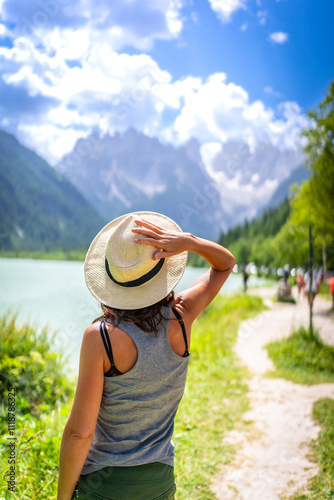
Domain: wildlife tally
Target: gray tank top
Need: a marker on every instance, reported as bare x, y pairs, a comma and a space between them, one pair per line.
135, 423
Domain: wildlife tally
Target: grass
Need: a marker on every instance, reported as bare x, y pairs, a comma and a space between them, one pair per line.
214, 402
75, 254
42, 398
215, 397
324, 291
321, 486
303, 359
37, 454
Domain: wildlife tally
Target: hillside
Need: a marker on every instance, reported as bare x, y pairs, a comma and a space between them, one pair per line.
267, 224
40, 210
254, 240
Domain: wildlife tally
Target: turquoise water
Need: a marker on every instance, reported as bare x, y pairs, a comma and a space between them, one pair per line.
54, 294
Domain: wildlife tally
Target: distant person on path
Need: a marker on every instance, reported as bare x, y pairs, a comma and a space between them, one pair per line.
300, 282
245, 276
286, 272
314, 287
331, 289
117, 442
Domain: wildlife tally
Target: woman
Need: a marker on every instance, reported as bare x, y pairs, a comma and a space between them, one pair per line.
300, 282
117, 442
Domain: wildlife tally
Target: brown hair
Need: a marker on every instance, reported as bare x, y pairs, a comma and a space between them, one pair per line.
147, 319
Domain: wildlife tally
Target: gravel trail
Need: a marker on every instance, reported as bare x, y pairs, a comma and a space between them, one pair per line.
271, 462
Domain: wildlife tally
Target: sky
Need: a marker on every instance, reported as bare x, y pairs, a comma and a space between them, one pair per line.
216, 70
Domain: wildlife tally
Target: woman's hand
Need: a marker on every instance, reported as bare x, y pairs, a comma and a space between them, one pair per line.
168, 242
192, 301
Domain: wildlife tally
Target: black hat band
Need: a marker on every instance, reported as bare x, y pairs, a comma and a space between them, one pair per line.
139, 281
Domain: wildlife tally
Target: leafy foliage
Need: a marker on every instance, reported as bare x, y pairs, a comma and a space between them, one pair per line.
320, 151
42, 397
287, 246
251, 242
313, 203
28, 364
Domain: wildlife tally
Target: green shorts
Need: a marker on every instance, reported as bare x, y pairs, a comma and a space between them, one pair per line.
141, 482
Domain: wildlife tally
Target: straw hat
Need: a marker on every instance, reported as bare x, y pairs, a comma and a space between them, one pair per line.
122, 274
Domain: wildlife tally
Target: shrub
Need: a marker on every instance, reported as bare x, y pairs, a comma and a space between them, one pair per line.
42, 398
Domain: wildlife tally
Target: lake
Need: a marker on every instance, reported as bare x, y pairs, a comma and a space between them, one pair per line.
54, 294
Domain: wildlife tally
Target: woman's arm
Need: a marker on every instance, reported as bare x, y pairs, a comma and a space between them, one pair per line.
80, 426
195, 299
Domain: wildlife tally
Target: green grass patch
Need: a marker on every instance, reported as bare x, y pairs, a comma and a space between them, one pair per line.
322, 485
215, 397
324, 291
60, 254
302, 358
42, 404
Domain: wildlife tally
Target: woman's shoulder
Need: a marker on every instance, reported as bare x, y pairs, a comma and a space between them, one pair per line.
92, 332
92, 329
90, 345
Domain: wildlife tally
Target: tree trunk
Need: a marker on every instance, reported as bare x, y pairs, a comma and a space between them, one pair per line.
324, 259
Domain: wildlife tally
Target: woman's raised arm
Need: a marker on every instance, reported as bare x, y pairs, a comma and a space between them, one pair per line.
196, 298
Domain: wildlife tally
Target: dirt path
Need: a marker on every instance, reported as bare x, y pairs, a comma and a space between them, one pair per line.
274, 463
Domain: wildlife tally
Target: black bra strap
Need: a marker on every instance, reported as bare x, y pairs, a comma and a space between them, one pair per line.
180, 320
106, 340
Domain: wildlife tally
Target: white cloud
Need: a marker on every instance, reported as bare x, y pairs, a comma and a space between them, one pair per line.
244, 198
209, 151
262, 16
111, 91
130, 22
269, 90
279, 37
289, 109
58, 141
4, 31
244, 27
103, 90
194, 17
86, 85
225, 8
218, 111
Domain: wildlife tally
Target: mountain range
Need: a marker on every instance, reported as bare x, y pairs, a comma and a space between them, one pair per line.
44, 207
130, 172
133, 172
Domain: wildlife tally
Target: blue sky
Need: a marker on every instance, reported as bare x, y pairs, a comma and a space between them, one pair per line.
216, 70
299, 69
